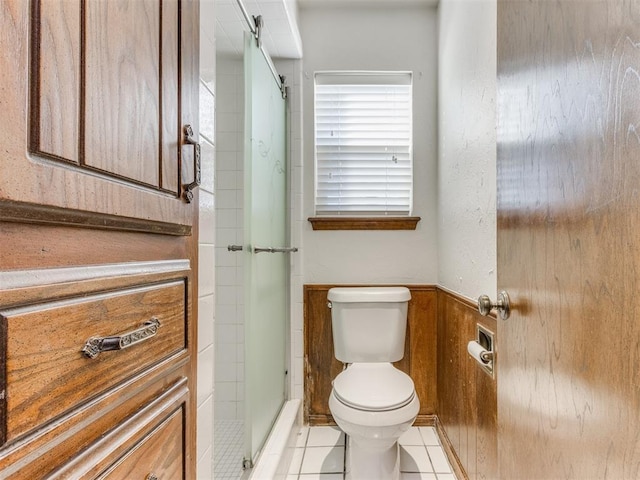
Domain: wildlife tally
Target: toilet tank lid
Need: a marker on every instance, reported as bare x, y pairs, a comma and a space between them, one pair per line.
369, 294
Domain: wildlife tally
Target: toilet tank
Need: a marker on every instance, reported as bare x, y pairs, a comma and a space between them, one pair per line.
369, 323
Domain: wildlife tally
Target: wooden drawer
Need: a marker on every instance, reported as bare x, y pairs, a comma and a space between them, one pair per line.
47, 373
160, 455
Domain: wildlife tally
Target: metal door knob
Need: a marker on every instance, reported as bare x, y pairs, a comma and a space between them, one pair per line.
502, 305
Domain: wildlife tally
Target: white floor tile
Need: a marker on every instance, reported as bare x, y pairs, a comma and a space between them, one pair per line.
439, 460
296, 461
446, 476
323, 460
321, 476
411, 437
429, 436
418, 476
325, 437
414, 458
301, 440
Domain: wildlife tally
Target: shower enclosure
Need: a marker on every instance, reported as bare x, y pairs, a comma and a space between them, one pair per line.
252, 261
265, 250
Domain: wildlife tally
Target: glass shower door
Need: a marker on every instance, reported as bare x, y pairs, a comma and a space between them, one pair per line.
265, 280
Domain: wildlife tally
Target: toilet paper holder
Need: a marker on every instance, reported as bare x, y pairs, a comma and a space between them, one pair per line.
482, 349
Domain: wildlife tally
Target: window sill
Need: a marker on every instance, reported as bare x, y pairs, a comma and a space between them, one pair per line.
364, 223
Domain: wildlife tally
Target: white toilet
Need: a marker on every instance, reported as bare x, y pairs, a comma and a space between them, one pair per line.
373, 402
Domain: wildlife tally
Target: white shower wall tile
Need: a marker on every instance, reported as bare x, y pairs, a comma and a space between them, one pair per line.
226, 276
227, 180
224, 258
205, 465
203, 436
207, 218
226, 218
226, 161
227, 141
206, 272
205, 374
205, 322
297, 215
229, 270
226, 391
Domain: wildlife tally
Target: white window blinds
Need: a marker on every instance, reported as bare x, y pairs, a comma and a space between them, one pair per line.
363, 143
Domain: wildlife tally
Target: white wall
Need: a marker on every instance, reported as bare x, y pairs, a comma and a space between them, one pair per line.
376, 38
229, 354
292, 70
206, 279
467, 147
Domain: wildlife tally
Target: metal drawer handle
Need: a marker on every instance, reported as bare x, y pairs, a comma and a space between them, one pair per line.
151, 476
95, 345
197, 175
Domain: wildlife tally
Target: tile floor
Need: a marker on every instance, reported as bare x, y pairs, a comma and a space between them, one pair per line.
228, 449
320, 452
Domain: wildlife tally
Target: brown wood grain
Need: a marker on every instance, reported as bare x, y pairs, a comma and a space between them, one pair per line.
37, 246
467, 408
106, 176
39, 98
568, 230
57, 104
160, 454
47, 373
321, 366
169, 88
364, 223
58, 446
122, 97
117, 446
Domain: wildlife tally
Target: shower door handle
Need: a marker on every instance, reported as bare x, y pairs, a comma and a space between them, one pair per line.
275, 250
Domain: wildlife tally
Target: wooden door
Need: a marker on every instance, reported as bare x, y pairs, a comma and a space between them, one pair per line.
569, 239
98, 241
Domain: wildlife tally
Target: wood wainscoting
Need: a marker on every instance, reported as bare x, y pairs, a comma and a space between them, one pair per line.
455, 393
467, 396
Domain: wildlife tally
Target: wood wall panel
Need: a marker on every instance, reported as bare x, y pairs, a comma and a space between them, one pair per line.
467, 406
321, 367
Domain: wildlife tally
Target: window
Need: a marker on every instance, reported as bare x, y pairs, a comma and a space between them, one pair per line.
363, 144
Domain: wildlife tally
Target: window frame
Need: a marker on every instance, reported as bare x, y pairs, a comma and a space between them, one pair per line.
383, 219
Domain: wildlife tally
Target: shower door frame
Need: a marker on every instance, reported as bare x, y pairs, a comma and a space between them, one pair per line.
258, 232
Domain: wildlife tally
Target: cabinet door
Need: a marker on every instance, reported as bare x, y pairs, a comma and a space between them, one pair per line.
96, 98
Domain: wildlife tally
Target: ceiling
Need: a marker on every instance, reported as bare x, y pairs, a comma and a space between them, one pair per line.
280, 34
281, 37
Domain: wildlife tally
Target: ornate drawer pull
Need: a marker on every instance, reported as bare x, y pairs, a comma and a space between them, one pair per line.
151, 476
95, 345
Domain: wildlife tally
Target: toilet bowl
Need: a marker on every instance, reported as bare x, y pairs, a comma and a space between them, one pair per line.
374, 409
373, 402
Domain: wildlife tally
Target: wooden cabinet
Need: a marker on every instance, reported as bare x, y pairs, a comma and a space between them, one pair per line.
98, 95
98, 241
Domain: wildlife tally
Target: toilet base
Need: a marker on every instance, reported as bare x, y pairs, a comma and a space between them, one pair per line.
372, 462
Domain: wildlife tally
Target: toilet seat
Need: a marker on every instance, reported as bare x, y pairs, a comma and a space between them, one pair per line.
373, 387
